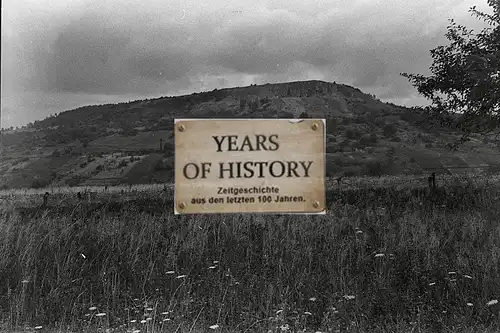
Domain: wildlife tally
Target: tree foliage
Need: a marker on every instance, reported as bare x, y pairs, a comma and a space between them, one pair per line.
464, 88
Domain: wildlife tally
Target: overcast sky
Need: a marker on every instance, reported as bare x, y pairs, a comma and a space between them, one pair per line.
61, 54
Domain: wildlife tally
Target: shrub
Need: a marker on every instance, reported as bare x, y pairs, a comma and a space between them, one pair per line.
73, 181
374, 168
368, 140
353, 134
389, 130
39, 183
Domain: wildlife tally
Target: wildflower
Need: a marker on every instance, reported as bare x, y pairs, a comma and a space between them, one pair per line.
468, 277
312, 299
212, 267
133, 321
149, 309
349, 297
92, 308
432, 283
164, 313
308, 313
452, 273
149, 318
214, 327
38, 327
143, 321
216, 261
470, 304
379, 255
492, 302
181, 276
359, 231
170, 272
102, 314
167, 319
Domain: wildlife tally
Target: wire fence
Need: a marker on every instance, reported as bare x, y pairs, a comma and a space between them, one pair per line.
406, 181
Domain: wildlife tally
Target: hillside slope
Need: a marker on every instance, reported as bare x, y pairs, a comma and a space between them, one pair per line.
133, 142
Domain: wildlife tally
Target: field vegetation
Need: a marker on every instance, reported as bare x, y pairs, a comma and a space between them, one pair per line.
384, 259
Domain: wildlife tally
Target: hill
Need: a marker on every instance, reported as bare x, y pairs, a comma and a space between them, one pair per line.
129, 142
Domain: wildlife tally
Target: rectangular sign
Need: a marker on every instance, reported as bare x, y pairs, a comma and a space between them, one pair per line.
249, 166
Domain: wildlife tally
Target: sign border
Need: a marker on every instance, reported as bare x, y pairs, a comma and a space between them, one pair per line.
292, 120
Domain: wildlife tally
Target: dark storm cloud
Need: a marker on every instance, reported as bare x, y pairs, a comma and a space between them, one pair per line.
87, 50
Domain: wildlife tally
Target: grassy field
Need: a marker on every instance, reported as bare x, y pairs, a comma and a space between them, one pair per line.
381, 260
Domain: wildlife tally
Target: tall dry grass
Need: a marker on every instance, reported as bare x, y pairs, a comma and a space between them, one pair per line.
381, 260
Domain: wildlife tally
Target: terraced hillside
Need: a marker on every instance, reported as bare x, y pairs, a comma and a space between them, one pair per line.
123, 143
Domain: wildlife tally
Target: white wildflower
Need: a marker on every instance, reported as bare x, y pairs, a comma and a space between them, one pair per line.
492, 302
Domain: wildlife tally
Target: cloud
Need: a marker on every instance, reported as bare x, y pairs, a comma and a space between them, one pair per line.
93, 49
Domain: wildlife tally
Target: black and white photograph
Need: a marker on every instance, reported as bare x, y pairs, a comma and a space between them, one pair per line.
274, 166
